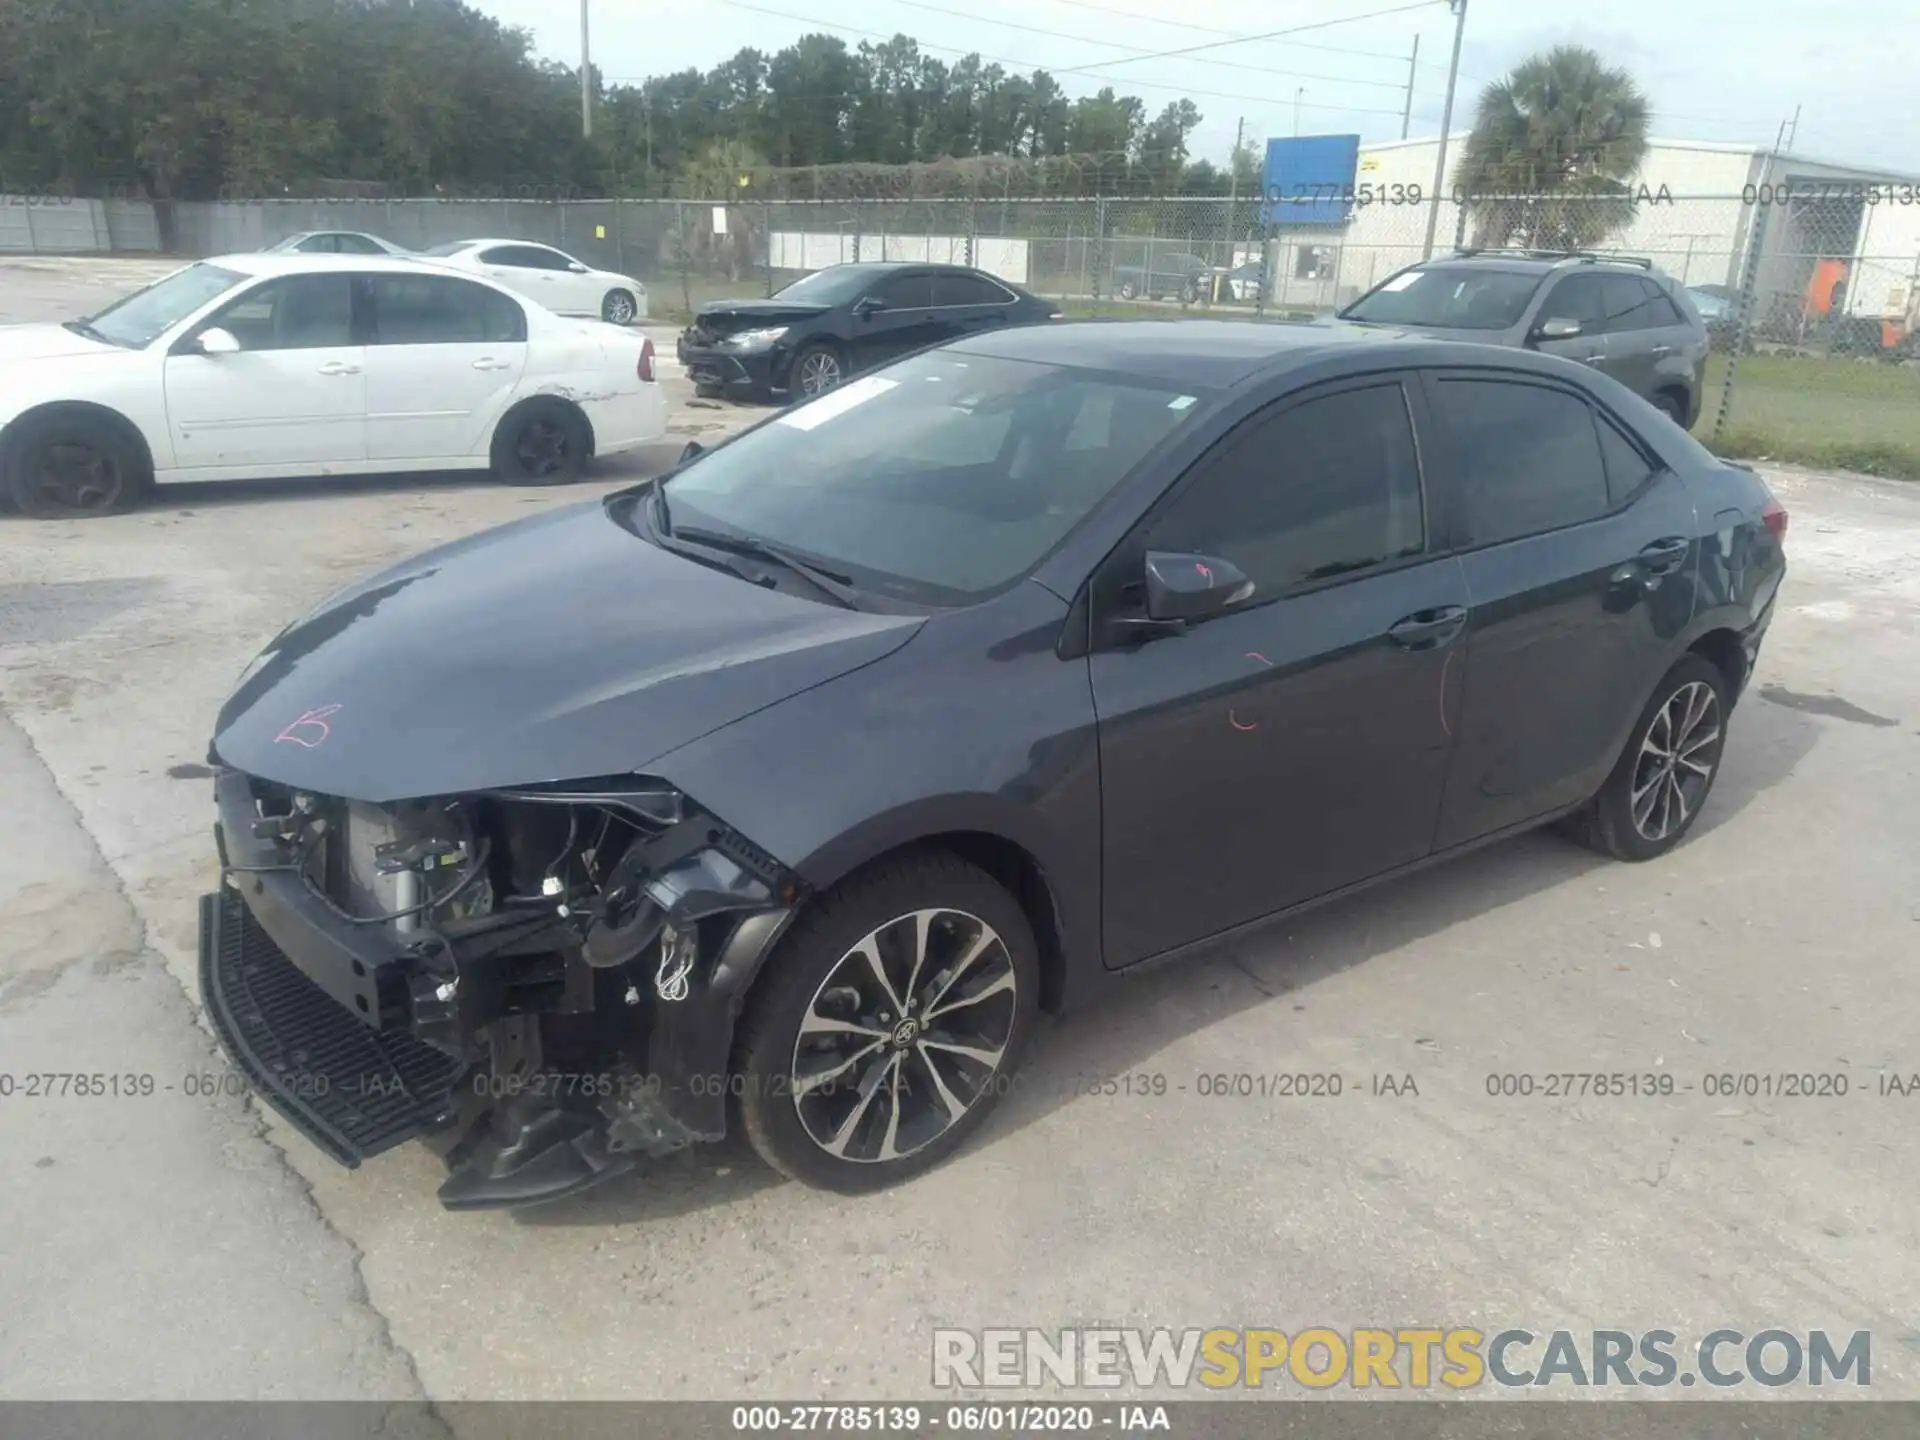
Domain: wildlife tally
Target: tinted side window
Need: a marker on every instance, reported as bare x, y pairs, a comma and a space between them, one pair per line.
906, 292
438, 310
1635, 304
1627, 468
1578, 297
968, 290
522, 257
1318, 490
357, 245
316, 245
295, 312
1529, 457
1661, 305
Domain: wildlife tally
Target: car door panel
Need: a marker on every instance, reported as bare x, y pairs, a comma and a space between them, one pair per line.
446, 360
1575, 297
1569, 630
1278, 752
294, 395
1270, 757
906, 324
1635, 340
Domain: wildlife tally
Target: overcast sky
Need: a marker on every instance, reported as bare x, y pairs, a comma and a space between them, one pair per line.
1715, 69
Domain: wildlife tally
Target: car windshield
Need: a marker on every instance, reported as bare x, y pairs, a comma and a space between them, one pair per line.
451, 248
938, 480
835, 285
140, 319
1451, 297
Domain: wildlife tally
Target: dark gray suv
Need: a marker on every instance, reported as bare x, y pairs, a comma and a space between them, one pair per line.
1620, 316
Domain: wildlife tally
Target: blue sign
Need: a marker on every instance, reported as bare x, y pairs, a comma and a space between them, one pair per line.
1310, 179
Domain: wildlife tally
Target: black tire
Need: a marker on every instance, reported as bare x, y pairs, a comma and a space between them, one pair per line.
1128, 290
543, 442
817, 368
72, 467
1673, 405
708, 392
1608, 822
619, 308
1190, 292
906, 1100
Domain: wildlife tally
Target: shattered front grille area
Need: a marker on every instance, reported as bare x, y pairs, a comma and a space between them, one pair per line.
351, 1090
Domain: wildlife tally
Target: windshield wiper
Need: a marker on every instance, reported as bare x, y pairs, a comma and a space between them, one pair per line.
828, 582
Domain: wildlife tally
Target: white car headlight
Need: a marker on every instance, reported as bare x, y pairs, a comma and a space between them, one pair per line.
751, 339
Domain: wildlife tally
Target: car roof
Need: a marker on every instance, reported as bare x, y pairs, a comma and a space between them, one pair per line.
1219, 354
1536, 262
293, 263
1211, 353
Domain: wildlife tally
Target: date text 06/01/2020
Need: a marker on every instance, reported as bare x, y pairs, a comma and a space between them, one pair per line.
956, 1419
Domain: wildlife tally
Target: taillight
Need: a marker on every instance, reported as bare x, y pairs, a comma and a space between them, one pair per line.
1774, 516
646, 361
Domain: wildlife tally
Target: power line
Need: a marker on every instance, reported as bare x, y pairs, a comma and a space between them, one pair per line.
1263, 35
1081, 70
1214, 29
1142, 51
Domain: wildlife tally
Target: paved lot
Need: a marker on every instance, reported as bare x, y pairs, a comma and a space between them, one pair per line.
180, 1245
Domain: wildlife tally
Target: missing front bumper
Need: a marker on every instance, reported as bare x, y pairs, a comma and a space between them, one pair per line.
352, 1090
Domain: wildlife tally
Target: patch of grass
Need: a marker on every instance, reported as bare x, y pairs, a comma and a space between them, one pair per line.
1834, 414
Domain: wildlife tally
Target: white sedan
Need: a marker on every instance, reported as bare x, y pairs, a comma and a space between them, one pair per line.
558, 281
252, 366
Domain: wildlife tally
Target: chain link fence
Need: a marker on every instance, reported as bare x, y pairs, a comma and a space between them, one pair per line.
1811, 296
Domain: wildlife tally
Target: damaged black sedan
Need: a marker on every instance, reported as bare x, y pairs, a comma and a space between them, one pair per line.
785, 791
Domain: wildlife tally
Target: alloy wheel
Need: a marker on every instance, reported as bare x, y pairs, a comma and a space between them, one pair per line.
904, 1036
76, 477
819, 372
542, 449
1676, 762
619, 308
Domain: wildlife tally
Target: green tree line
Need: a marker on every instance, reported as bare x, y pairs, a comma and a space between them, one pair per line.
199, 99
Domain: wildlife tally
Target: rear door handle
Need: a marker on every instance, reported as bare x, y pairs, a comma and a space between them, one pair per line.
1428, 629
1662, 350
487, 362
339, 367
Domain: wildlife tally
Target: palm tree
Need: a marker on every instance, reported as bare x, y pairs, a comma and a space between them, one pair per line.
1565, 132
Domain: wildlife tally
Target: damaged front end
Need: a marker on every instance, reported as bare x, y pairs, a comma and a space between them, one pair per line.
541, 981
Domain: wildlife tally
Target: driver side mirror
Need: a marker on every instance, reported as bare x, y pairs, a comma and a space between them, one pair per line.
1558, 328
577, 268
216, 341
694, 449
1182, 588
868, 305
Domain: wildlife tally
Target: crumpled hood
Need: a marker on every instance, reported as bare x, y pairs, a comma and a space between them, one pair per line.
728, 317
557, 647
47, 342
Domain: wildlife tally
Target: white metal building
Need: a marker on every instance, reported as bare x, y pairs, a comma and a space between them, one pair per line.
1697, 204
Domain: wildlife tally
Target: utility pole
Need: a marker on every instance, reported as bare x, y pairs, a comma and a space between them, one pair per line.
1459, 8
586, 77
1233, 185
1406, 115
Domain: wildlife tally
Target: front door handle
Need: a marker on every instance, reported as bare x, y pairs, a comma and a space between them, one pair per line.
1664, 555
339, 367
487, 362
1428, 629
1662, 350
